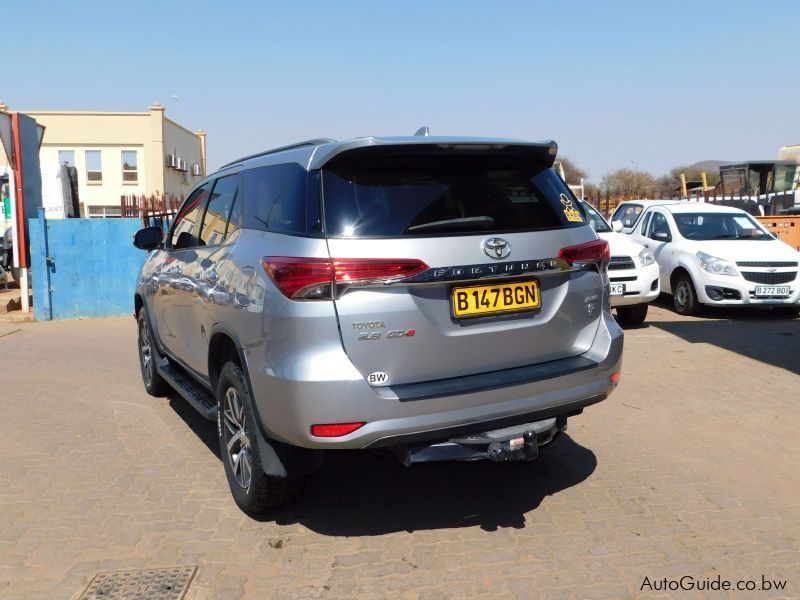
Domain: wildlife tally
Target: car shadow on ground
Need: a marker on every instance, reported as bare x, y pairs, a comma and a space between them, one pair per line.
762, 335
204, 429
361, 493
751, 313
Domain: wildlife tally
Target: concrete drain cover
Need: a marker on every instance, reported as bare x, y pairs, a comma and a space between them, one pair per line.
144, 584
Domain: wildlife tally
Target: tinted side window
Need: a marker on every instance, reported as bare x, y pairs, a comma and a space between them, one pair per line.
188, 218
631, 213
645, 222
220, 208
658, 224
275, 198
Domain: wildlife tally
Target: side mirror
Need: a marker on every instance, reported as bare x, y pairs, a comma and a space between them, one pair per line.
617, 226
148, 238
662, 236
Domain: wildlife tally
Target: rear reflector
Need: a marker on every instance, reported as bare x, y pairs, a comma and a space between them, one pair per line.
314, 278
335, 429
596, 251
615, 378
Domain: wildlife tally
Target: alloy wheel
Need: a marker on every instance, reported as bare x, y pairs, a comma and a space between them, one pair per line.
146, 353
682, 296
237, 439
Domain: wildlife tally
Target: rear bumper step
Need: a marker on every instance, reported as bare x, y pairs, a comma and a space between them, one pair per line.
194, 394
510, 444
433, 436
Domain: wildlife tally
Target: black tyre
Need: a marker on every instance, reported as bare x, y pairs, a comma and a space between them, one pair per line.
629, 316
684, 296
254, 491
149, 358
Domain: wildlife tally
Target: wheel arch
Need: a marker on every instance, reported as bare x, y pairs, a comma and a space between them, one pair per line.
677, 272
138, 303
224, 346
279, 459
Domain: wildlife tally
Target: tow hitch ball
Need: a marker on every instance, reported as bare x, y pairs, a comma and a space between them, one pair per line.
519, 448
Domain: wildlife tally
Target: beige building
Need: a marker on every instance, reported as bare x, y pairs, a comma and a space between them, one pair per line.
120, 153
789, 153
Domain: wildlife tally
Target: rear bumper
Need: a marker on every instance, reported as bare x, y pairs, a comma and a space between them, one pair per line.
435, 410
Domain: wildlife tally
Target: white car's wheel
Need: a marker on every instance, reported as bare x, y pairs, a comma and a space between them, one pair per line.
629, 316
684, 296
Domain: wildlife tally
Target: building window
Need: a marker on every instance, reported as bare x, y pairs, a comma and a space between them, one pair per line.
66, 157
104, 212
130, 169
94, 167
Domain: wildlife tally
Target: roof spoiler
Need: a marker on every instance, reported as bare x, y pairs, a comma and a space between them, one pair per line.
545, 152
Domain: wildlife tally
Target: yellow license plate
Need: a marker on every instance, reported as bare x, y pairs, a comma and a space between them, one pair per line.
499, 298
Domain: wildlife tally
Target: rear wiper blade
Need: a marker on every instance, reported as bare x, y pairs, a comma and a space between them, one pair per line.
483, 222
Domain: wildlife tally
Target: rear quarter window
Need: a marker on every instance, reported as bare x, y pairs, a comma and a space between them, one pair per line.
275, 198
428, 195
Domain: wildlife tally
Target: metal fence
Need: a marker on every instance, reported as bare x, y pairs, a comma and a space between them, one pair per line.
153, 210
762, 205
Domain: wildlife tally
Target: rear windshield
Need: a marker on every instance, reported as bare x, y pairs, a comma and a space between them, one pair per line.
444, 195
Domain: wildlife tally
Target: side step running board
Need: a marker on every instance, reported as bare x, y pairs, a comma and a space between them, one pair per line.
194, 393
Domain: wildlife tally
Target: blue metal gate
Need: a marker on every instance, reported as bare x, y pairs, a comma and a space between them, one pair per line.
83, 267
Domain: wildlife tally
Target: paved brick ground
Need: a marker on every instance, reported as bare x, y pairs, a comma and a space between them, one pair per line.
690, 468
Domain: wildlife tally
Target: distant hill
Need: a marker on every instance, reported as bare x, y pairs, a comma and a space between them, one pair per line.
710, 166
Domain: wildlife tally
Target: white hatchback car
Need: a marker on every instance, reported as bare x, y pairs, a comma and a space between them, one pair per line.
628, 212
632, 272
718, 255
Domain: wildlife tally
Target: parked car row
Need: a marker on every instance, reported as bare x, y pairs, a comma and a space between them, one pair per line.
713, 255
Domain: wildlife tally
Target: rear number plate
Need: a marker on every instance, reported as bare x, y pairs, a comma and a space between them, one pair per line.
617, 289
492, 299
763, 290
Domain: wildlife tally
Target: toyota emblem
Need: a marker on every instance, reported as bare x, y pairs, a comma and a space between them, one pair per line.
496, 248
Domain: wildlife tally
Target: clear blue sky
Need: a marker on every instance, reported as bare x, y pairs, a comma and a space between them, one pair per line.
645, 85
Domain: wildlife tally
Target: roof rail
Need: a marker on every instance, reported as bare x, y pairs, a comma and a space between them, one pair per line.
314, 142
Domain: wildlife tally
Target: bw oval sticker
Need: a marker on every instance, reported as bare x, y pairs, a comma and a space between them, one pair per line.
378, 378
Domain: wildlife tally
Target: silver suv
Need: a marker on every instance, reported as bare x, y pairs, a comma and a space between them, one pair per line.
440, 297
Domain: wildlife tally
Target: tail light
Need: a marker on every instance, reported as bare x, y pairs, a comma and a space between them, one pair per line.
335, 429
595, 252
317, 278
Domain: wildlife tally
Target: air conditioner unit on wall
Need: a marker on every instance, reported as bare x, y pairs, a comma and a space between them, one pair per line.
170, 160
184, 165
196, 170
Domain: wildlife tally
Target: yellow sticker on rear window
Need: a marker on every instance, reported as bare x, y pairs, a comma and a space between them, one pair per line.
572, 213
